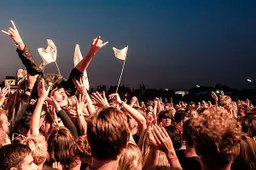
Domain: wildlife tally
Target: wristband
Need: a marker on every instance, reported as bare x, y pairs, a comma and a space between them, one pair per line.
18, 42
121, 105
173, 159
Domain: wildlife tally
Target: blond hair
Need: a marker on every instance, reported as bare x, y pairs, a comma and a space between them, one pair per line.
131, 158
38, 146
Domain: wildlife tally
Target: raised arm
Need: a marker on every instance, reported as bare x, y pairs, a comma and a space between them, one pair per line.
68, 123
80, 85
79, 109
95, 46
13, 33
132, 112
160, 140
23, 51
35, 118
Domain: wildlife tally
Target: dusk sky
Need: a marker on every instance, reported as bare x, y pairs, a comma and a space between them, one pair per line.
172, 43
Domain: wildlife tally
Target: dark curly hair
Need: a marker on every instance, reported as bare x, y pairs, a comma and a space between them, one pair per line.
217, 137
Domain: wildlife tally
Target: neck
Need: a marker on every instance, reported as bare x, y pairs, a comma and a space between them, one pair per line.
190, 152
104, 165
205, 167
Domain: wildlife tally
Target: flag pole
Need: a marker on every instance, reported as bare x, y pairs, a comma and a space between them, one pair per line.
120, 77
57, 67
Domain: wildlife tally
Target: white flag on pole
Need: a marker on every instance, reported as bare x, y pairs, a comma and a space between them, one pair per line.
77, 58
120, 54
49, 54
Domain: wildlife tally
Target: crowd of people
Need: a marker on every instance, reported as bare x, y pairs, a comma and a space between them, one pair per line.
53, 123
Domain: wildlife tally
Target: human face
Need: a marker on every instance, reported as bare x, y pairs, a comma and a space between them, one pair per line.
6, 124
61, 97
149, 117
28, 163
194, 114
166, 122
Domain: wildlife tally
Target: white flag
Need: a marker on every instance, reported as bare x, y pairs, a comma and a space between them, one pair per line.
120, 54
49, 54
77, 58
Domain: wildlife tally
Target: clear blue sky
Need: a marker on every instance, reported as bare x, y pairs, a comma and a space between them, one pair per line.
172, 43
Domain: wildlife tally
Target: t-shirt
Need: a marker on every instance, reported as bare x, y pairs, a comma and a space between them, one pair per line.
188, 163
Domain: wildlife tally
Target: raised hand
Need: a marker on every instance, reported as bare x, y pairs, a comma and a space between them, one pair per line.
222, 93
51, 111
80, 85
57, 165
54, 103
97, 44
42, 92
214, 96
115, 98
3, 93
13, 33
159, 139
80, 104
100, 100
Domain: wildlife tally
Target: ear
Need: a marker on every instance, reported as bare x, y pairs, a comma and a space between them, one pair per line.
13, 168
238, 151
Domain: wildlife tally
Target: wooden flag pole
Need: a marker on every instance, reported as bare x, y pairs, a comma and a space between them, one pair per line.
120, 77
57, 67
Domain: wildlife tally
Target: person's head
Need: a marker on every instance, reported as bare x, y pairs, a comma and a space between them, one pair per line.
217, 138
131, 158
108, 134
165, 117
4, 124
248, 123
193, 113
246, 160
16, 157
82, 149
149, 116
59, 143
38, 146
179, 117
60, 96
242, 109
225, 101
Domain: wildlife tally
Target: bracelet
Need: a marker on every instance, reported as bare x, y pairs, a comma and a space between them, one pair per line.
18, 42
173, 159
121, 105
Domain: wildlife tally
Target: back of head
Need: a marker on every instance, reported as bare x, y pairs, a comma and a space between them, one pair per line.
179, 116
248, 123
131, 158
59, 143
38, 146
217, 138
82, 149
107, 134
246, 160
13, 155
